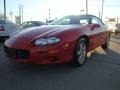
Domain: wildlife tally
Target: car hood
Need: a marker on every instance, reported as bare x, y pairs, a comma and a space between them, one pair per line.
44, 31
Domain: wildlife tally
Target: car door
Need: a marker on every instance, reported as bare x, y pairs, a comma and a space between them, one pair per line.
99, 30
86, 23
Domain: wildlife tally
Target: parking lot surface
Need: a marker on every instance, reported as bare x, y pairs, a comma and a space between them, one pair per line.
100, 72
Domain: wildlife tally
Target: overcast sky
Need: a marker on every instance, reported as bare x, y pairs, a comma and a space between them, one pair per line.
38, 9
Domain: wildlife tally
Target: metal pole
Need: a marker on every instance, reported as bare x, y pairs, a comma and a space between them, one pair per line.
117, 19
102, 9
4, 9
86, 6
20, 14
99, 13
49, 14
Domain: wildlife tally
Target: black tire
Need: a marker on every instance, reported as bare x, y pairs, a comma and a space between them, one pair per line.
80, 52
3, 39
106, 45
115, 33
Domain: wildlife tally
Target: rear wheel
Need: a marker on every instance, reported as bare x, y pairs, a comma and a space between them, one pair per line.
80, 52
106, 45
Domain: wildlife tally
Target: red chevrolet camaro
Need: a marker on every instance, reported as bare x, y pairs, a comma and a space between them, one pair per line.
64, 40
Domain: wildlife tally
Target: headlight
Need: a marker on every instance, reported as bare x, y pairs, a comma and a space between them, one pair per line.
45, 41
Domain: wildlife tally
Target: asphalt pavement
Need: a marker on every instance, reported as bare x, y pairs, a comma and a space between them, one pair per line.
100, 72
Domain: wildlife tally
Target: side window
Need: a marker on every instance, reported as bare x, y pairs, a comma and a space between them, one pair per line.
63, 22
30, 24
37, 24
84, 21
96, 21
25, 24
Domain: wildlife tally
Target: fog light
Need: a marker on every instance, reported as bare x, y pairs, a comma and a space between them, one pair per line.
65, 46
53, 51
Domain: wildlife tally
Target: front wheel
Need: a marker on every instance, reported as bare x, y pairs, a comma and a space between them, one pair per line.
80, 52
106, 45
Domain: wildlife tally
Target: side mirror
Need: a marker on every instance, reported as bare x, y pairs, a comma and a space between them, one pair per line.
2, 28
95, 26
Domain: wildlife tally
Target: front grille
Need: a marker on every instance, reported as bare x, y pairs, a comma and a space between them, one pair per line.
16, 53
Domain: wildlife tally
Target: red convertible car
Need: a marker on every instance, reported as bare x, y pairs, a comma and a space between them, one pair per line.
64, 40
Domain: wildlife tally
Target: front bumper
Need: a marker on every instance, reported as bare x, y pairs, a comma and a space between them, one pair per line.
52, 54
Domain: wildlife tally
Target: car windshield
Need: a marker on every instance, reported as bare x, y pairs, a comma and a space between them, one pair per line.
67, 20
31, 24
